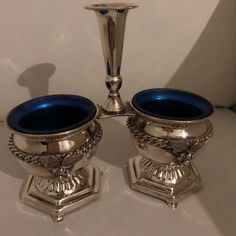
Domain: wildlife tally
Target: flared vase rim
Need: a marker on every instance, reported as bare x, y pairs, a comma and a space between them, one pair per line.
110, 6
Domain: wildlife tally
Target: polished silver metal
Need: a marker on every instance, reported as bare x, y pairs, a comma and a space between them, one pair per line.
164, 168
111, 20
103, 115
60, 178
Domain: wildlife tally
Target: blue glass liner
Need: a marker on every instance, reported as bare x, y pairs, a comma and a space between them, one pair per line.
172, 104
51, 114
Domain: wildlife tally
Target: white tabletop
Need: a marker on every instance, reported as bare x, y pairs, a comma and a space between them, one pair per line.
122, 211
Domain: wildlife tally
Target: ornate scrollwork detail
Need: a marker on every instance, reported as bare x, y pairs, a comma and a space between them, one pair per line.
57, 160
181, 149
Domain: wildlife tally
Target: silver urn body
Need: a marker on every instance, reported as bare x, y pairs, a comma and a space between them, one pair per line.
166, 145
55, 150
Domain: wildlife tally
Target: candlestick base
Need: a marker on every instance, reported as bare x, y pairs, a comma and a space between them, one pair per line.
128, 112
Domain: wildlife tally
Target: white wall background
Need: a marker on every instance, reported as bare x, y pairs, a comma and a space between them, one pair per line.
49, 47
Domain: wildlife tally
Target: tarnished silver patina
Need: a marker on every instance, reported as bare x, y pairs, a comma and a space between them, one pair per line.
164, 168
111, 20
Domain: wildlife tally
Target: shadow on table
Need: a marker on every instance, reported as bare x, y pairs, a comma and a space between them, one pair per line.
36, 79
217, 169
210, 67
210, 70
8, 163
116, 147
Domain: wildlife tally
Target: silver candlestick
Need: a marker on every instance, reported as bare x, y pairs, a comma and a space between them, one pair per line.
111, 20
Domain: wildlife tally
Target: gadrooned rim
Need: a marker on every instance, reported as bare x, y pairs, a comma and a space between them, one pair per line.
145, 113
12, 124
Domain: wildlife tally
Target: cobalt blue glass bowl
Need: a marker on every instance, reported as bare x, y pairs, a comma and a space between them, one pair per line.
172, 104
51, 114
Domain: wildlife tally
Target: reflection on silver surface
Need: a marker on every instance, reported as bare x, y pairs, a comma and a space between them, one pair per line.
60, 178
111, 20
164, 168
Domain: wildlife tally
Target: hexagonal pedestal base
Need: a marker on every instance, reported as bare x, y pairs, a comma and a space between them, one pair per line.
58, 207
170, 193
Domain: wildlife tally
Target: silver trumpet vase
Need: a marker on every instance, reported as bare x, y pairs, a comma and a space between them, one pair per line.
111, 20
